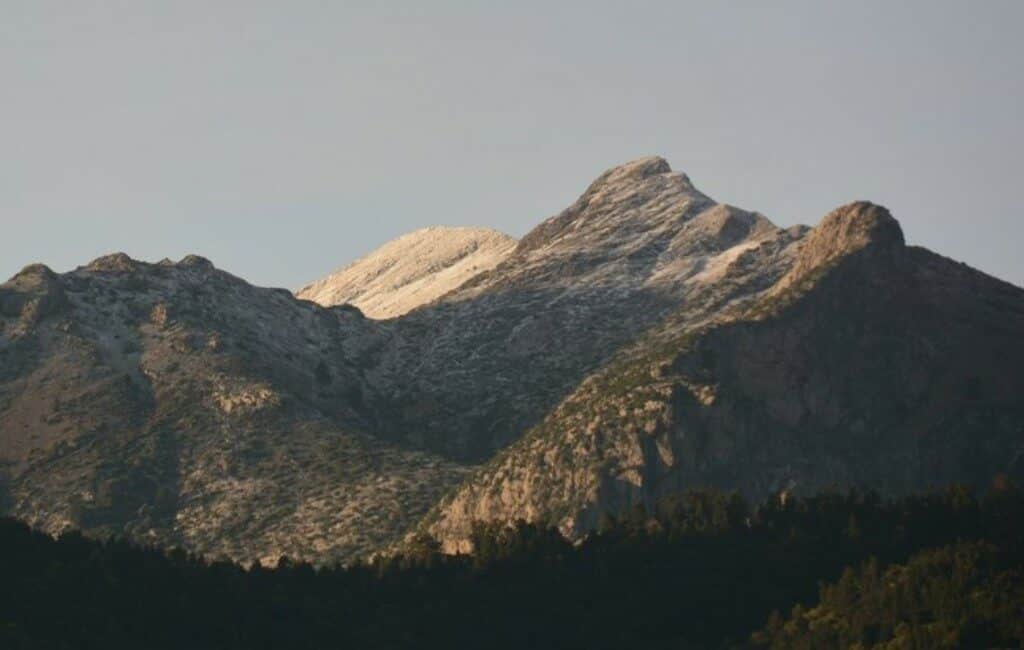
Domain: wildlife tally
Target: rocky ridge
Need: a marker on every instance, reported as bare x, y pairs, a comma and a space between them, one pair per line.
867, 364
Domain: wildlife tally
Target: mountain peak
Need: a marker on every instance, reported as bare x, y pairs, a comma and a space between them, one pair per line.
35, 271
638, 195
851, 228
862, 221
631, 173
641, 168
860, 227
412, 270
31, 294
196, 262
115, 262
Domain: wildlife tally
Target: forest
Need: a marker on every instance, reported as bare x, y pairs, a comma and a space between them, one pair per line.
704, 569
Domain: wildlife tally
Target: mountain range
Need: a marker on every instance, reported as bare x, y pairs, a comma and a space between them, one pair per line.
645, 340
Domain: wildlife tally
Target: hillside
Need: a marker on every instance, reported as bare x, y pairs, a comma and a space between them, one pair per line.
867, 364
474, 370
179, 405
411, 271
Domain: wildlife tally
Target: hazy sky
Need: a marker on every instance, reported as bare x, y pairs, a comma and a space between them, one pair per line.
284, 139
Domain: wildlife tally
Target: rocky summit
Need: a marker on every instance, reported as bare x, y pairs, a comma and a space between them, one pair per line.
644, 340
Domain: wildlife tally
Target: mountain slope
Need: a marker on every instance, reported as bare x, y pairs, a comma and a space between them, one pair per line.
411, 271
472, 371
868, 363
180, 405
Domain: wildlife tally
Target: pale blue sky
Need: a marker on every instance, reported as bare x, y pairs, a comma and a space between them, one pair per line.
284, 139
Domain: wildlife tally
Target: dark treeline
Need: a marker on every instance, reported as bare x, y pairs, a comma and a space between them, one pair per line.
704, 570
968, 595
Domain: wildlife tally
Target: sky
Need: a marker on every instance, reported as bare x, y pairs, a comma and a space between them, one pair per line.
283, 140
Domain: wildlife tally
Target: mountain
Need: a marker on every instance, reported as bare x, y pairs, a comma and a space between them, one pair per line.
179, 405
470, 372
868, 363
644, 340
411, 271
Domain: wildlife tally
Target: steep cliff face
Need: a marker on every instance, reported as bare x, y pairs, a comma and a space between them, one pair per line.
180, 405
412, 271
867, 364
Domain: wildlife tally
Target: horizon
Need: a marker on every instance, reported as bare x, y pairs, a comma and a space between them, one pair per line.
284, 144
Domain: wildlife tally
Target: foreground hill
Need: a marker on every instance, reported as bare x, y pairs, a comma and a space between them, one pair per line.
644, 340
411, 271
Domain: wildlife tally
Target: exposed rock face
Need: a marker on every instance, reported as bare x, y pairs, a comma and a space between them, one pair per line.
868, 364
645, 339
850, 229
411, 271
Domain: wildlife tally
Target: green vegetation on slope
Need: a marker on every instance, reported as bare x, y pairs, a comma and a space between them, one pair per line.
968, 595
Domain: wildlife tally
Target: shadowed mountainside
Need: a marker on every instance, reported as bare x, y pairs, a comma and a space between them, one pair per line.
867, 364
